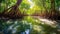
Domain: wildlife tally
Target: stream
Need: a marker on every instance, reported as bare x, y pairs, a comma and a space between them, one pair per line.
23, 26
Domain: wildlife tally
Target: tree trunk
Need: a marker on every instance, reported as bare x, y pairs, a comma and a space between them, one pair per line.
46, 15
52, 11
13, 12
53, 5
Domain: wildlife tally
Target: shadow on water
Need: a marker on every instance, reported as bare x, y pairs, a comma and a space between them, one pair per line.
21, 27
14, 27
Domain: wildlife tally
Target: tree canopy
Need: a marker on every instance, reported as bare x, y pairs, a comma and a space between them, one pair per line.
29, 16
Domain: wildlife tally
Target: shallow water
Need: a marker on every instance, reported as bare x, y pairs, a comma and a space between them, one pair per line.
28, 25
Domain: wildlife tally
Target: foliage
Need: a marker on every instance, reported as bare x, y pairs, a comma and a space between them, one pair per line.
30, 23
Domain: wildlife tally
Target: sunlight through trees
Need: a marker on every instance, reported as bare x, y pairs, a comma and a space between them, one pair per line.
29, 16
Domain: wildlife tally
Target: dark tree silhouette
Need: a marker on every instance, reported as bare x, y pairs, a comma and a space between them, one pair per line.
54, 14
13, 12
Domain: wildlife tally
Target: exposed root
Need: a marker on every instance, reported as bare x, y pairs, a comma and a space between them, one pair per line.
12, 13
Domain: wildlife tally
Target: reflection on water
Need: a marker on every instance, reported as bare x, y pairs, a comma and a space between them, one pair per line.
27, 26
15, 25
27, 31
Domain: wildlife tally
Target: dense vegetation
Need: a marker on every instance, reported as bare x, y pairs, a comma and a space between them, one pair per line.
29, 16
